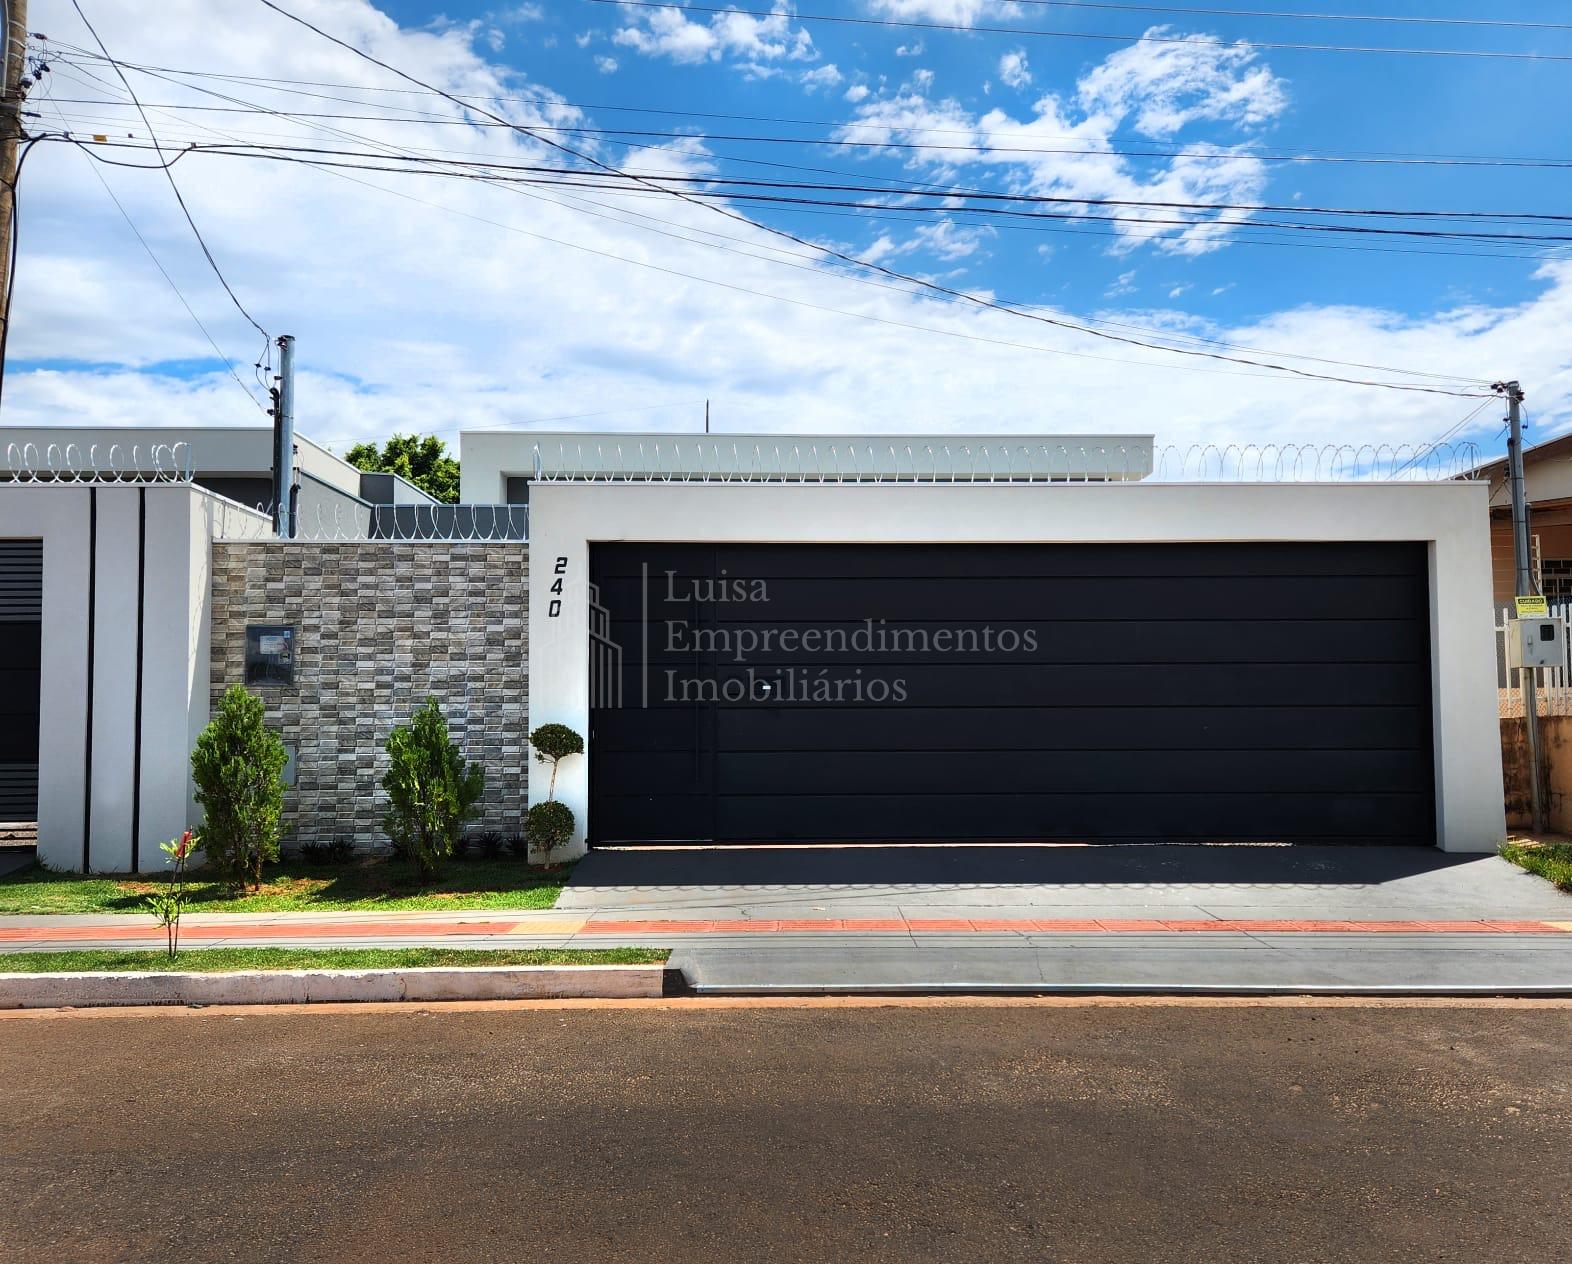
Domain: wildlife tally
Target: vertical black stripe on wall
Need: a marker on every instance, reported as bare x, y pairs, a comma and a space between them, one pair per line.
92, 620
136, 723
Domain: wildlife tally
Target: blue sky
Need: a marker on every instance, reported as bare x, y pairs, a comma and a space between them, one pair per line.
1330, 103
416, 297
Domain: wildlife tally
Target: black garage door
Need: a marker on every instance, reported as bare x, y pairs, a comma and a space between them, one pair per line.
1109, 693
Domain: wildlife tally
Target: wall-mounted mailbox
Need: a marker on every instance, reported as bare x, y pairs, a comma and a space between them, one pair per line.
270, 654
1537, 643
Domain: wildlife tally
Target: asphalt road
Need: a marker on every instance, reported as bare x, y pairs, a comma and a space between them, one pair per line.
1043, 1133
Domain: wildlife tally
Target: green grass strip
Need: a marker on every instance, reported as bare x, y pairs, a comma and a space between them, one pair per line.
224, 960
293, 886
1552, 861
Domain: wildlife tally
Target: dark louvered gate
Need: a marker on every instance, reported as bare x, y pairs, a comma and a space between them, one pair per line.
1108, 693
21, 612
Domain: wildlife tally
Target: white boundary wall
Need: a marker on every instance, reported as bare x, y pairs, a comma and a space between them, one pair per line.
1451, 517
181, 522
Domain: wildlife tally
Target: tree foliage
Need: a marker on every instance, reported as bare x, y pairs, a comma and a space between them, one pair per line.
432, 789
547, 826
422, 459
553, 743
238, 767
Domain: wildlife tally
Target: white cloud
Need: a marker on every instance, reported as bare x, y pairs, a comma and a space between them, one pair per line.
585, 38
921, 80
672, 34
475, 306
1013, 69
914, 49
959, 12
606, 65
1159, 88
1123, 284
1153, 89
857, 92
1179, 290
826, 77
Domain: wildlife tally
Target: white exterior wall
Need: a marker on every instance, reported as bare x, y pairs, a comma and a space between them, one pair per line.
566, 518
180, 524
489, 458
214, 450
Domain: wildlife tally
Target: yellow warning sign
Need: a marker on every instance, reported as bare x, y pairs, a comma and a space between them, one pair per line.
1532, 608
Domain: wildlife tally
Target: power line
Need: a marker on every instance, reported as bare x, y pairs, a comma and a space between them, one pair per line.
1306, 155
913, 24
1296, 15
868, 264
619, 215
626, 175
558, 177
169, 175
157, 263
865, 264
913, 326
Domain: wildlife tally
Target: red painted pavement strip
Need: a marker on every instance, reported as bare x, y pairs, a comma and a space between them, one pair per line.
1104, 926
413, 929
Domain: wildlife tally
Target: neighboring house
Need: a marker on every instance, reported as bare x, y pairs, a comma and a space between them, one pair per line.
786, 639
234, 461
1547, 486
498, 466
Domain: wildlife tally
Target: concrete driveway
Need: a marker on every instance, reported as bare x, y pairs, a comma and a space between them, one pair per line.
1289, 883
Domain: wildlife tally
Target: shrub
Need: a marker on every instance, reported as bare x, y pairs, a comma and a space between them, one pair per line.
432, 789
338, 852
547, 826
168, 903
490, 844
518, 844
238, 766
554, 743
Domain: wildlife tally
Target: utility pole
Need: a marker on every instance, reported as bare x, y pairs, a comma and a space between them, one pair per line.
1524, 585
11, 97
284, 440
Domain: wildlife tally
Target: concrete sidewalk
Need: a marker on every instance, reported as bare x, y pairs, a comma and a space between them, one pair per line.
981, 919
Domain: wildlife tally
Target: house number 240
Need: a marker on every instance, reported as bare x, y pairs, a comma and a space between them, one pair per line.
554, 610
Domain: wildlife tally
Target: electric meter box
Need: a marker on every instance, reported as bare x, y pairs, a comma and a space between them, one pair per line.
1537, 643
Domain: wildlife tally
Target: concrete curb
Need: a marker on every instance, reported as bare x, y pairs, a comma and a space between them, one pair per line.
295, 987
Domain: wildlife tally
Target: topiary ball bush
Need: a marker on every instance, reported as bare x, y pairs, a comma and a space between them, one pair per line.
548, 826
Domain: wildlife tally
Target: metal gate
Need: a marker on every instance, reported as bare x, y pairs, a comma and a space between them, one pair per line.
21, 612
1107, 693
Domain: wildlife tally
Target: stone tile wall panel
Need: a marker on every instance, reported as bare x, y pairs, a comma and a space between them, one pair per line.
379, 626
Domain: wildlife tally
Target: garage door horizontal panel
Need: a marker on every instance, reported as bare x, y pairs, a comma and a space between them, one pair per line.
833, 729
815, 600
651, 771
635, 728
1006, 685
1028, 771
1127, 561
961, 817
1137, 640
681, 817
